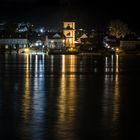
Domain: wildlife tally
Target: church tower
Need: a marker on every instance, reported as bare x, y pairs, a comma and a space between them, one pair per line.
69, 32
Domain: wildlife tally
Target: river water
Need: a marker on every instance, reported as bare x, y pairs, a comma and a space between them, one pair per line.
69, 97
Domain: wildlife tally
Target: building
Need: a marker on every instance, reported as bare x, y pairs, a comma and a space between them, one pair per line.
22, 43
69, 32
130, 44
82, 39
55, 41
11, 44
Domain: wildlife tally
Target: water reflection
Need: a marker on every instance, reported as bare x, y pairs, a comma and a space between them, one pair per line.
63, 98
72, 63
63, 65
110, 63
52, 63
106, 64
111, 92
117, 64
66, 101
26, 95
33, 106
38, 97
69, 63
116, 98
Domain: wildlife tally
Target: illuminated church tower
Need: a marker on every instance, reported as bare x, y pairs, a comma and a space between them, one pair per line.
69, 32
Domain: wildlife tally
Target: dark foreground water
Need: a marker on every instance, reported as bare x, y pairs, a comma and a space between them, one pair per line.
69, 97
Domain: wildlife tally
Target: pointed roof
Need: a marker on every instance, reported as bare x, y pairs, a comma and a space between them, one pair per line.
56, 35
84, 36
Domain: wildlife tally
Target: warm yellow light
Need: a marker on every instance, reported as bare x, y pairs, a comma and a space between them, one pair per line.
117, 49
69, 32
117, 63
26, 50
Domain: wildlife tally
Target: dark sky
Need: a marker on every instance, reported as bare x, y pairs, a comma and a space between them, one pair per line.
87, 13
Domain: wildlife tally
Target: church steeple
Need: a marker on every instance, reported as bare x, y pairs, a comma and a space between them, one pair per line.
69, 32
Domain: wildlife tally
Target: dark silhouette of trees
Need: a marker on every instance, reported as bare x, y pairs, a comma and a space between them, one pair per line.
118, 28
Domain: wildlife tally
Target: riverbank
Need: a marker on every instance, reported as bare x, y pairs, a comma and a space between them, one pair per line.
99, 53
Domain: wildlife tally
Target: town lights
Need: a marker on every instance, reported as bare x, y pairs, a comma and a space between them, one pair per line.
26, 50
71, 49
36, 44
117, 49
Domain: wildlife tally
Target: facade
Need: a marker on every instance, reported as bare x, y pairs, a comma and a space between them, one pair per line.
130, 44
83, 39
13, 42
55, 41
69, 32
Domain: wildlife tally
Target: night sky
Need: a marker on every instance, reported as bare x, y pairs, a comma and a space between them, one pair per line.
87, 14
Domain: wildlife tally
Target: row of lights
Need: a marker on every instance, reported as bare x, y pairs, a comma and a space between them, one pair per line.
108, 47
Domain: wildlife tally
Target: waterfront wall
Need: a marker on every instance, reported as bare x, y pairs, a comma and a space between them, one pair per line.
125, 44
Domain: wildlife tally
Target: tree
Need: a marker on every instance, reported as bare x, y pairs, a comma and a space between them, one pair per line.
118, 28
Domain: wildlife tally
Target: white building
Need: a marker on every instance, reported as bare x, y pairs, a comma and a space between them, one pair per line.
83, 37
130, 44
21, 43
55, 41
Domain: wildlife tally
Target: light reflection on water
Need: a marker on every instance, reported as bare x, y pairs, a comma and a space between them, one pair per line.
63, 97
66, 101
26, 95
111, 93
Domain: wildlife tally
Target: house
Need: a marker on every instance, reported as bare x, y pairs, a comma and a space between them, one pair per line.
14, 42
55, 41
130, 44
83, 39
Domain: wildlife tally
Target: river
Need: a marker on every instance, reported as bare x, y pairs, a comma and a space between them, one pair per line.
69, 97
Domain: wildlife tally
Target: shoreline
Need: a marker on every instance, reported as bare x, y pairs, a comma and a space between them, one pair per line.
76, 53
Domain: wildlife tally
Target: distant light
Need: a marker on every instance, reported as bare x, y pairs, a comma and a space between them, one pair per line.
6, 46
108, 47
36, 44
41, 30
71, 49
26, 50
63, 40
